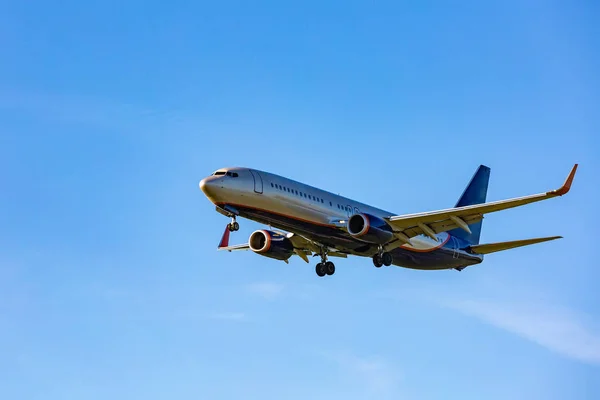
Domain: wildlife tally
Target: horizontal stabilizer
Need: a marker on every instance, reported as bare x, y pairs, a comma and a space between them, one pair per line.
237, 247
500, 246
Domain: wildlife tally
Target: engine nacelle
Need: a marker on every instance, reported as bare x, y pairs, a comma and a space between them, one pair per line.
271, 244
369, 228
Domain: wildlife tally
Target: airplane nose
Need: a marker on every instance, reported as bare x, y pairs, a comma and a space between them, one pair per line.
203, 184
207, 185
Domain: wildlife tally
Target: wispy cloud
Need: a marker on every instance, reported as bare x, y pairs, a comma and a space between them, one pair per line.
267, 290
229, 316
81, 109
558, 329
539, 318
377, 376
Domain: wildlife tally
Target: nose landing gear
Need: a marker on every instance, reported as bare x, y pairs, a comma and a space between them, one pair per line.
233, 225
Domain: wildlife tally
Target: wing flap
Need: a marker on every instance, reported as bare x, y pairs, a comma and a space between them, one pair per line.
501, 246
440, 226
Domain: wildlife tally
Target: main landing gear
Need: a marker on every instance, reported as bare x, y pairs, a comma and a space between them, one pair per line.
233, 225
325, 267
382, 258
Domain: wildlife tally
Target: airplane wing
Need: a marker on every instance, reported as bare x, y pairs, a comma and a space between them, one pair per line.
432, 222
303, 247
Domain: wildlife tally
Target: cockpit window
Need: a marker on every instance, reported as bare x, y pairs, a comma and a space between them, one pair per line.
228, 173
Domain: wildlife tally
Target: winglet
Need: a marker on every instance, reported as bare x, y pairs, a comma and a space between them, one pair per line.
225, 238
564, 189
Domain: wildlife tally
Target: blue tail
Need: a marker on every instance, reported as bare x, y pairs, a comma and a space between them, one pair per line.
475, 193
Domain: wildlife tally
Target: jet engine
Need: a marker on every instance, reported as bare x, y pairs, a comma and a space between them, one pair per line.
271, 244
369, 228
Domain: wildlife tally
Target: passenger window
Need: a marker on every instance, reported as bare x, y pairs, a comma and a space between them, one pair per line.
271, 184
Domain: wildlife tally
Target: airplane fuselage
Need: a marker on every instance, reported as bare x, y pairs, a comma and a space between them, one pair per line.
314, 213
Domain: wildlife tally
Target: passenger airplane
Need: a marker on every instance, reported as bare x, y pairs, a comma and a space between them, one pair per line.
324, 224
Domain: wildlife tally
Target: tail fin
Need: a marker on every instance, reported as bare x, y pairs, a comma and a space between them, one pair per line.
475, 193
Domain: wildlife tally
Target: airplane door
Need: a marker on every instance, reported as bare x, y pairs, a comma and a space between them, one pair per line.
258, 182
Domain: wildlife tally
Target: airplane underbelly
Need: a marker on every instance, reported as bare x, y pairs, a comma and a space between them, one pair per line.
442, 258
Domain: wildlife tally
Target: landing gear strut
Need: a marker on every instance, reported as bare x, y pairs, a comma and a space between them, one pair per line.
233, 225
382, 258
325, 267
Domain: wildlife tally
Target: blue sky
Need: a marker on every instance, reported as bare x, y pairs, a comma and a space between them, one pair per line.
111, 112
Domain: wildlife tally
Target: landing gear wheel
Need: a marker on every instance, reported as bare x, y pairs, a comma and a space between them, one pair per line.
320, 269
387, 259
377, 261
234, 226
329, 268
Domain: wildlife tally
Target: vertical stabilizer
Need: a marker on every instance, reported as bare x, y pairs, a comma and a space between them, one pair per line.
474, 193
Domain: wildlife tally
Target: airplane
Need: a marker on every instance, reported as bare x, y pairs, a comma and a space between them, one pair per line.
308, 221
